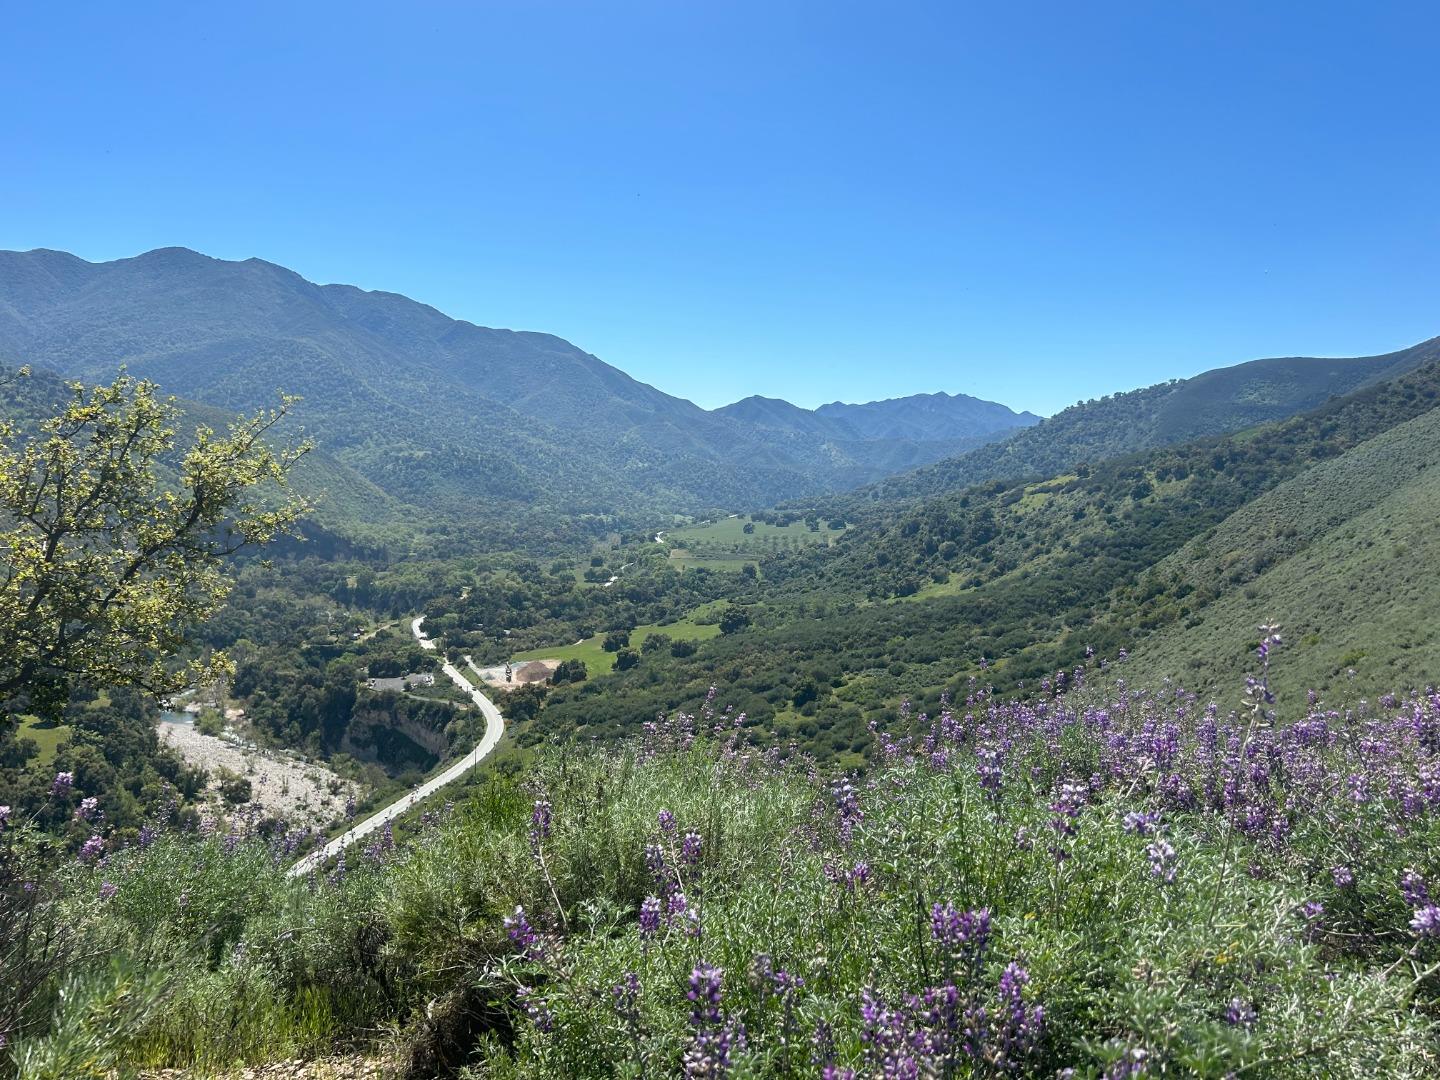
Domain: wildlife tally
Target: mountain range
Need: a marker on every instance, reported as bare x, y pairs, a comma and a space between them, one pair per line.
423, 417
437, 413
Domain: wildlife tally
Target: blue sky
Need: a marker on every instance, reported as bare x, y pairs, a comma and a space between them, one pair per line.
1030, 202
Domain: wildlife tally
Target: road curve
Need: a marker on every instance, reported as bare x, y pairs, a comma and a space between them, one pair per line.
494, 728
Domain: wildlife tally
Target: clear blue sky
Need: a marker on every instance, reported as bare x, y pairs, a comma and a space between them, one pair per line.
1031, 202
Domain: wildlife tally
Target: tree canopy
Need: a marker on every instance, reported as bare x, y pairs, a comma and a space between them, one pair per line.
112, 536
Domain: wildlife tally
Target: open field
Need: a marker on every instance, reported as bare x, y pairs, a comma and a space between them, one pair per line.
599, 662
728, 536
684, 559
47, 735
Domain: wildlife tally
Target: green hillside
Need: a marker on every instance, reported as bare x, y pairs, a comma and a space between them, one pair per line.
1213, 403
1345, 558
1007, 582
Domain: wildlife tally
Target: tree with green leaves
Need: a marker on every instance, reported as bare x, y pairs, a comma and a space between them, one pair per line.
113, 534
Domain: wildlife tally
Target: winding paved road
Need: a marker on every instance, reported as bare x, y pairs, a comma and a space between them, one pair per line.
494, 728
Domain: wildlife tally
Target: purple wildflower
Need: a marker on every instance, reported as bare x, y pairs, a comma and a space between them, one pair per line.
108, 890
990, 771
708, 1055
958, 931
1414, 889
667, 821
690, 848
1162, 861
1239, 1013
61, 785
1343, 876
520, 930
91, 849
1141, 823
539, 824
1066, 807
847, 808
655, 861
649, 916
1426, 922
1019, 1025
1133, 1063
537, 1009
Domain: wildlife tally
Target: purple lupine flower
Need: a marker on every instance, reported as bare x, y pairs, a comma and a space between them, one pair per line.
108, 890
1342, 876
667, 821
1019, 1025
626, 993
147, 836
518, 927
1140, 822
539, 823
960, 931
649, 916
91, 849
704, 994
88, 809
847, 808
857, 875
1426, 922
1133, 1063
1239, 1013
780, 981
1067, 806
690, 848
1414, 889
990, 771
350, 808
1162, 861
537, 1009
676, 906
709, 1053
655, 861
61, 785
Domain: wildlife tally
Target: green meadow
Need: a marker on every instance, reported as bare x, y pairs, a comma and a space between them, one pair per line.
599, 662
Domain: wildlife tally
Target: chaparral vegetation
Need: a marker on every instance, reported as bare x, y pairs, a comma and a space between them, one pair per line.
1096, 880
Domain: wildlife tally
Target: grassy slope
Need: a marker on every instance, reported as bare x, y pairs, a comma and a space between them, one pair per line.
1344, 558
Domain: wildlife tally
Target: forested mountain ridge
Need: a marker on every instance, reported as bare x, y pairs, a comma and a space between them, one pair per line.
1212, 403
459, 419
